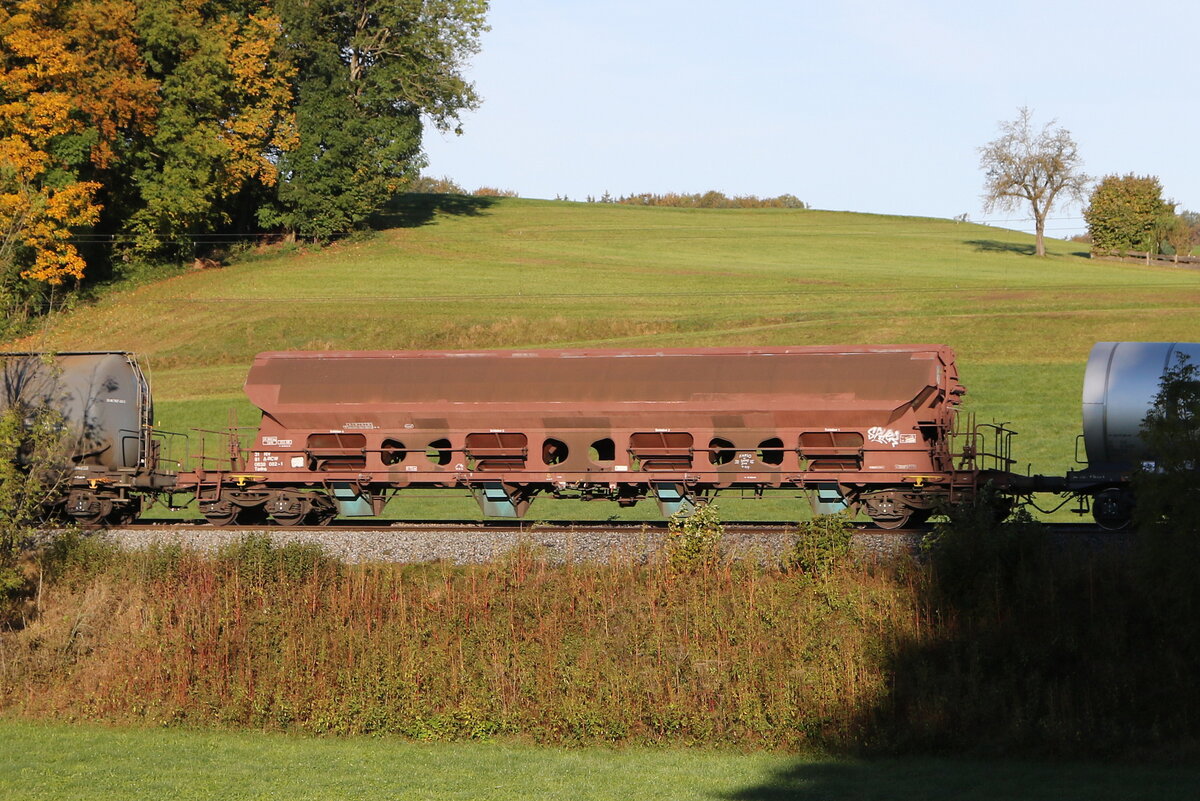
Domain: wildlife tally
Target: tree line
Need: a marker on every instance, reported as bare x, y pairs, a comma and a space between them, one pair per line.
1127, 213
1036, 168
711, 199
142, 124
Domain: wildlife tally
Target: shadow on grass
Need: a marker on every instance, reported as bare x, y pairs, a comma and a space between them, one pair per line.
1068, 665
968, 779
996, 246
411, 209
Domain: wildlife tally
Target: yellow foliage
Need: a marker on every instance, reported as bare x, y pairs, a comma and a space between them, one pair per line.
113, 94
265, 86
40, 83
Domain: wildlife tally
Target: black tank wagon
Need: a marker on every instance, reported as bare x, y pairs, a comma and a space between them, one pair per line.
104, 401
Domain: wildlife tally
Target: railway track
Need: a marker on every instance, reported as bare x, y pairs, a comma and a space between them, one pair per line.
534, 527
474, 541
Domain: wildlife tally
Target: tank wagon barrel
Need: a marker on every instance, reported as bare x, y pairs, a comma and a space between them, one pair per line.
104, 402
1119, 388
1120, 385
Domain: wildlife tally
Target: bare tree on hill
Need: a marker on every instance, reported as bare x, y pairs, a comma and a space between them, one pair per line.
1034, 167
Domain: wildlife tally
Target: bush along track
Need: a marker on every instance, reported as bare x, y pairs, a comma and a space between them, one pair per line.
1043, 651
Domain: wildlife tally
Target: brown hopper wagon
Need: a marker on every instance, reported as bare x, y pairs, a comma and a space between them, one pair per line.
866, 427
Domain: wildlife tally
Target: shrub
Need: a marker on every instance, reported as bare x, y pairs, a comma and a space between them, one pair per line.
979, 554
427, 185
821, 544
491, 191
32, 452
694, 540
260, 562
708, 200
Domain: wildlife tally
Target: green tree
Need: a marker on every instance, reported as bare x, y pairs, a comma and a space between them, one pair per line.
1167, 492
224, 117
1127, 212
1028, 166
369, 71
1183, 232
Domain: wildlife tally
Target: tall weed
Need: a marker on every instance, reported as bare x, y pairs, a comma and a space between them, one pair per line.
1033, 649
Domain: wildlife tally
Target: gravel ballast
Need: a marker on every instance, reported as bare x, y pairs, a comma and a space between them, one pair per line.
474, 545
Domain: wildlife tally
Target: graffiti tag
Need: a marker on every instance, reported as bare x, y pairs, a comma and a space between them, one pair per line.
889, 436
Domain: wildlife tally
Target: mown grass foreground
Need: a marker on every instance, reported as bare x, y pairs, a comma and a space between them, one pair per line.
54, 762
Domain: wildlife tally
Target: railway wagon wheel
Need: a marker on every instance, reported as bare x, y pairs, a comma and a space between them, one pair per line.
222, 512
1112, 509
890, 510
88, 509
289, 508
325, 511
226, 511
126, 513
893, 520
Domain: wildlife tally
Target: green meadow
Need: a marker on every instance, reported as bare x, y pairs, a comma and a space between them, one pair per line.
1069, 657
51, 762
447, 272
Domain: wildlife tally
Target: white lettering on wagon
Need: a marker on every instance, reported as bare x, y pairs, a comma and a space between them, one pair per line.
889, 436
277, 442
266, 461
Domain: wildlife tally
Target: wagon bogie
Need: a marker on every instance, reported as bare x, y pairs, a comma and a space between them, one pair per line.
236, 505
289, 507
898, 507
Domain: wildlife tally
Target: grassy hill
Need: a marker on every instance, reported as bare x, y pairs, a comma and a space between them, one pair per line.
471, 273
1010, 648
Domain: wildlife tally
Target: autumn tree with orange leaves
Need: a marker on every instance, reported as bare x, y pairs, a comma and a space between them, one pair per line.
41, 196
72, 89
141, 127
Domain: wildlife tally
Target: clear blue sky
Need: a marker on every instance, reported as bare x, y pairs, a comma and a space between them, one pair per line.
862, 105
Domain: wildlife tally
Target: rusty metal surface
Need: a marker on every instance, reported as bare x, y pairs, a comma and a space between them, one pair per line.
682, 420
295, 383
